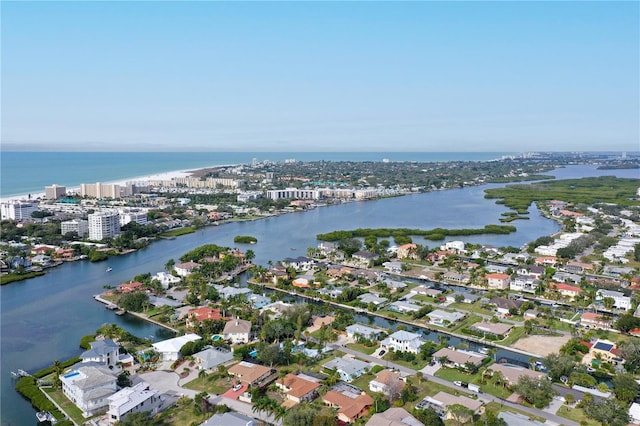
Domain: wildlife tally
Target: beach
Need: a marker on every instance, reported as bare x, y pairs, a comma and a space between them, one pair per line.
158, 176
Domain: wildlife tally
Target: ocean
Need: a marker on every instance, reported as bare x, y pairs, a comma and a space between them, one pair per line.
29, 172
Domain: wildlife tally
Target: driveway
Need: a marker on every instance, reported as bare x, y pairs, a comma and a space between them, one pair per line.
168, 382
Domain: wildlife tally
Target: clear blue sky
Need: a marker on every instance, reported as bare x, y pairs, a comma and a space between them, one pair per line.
321, 76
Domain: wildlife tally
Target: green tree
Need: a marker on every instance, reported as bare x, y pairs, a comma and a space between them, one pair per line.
609, 412
134, 302
300, 415
428, 417
140, 419
124, 379
625, 388
538, 391
460, 413
559, 365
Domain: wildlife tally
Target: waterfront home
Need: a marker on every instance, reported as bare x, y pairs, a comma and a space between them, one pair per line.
252, 374
393, 267
525, 283
403, 307
277, 309
231, 419
387, 382
326, 248
227, 292
358, 330
299, 388
512, 373
348, 368
364, 258
169, 349
566, 290
331, 292
351, 405
185, 269
458, 358
89, 388
408, 251
258, 301
165, 279
595, 320
457, 277
403, 341
498, 281
444, 318
301, 263
103, 352
441, 402
620, 301
394, 416
135, 399
496, 329
372, 298
196, 316
425, 291
237, 330
394, 285
504, 306
466, 297
212, 357
607, 350
130, 287
454, 246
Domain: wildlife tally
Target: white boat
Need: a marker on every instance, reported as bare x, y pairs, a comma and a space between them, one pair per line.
109, 269
45, 416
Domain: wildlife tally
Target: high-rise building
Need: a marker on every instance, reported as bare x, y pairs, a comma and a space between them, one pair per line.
104, 224
54, 192
17, 210
80, 226
133, 215
100, 190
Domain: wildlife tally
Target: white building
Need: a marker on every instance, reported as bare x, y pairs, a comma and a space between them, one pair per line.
104, 224
104, 352
165, 279
457, 246
54, 192
79, 226
524, 283
89, 388
133, 215
100, 190
169, 350
294, 193
620, 301
17, 210
403, 341
133, 399
237, 330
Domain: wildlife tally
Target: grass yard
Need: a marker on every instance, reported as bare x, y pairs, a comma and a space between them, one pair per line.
211, 384
575, 414
179, 231
467, 322
416, 364
470, 307
67, 406
452, 375
514, 335
182, 413
362, 348
494, 406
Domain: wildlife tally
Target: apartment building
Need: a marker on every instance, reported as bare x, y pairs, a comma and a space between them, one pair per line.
104, 224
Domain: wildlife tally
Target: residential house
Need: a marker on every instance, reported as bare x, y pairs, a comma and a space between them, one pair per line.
403, 341
348, 368
454, 246
386, 382
212, 357
426, 291
466, 297
299, 388
196, 316
169, 349
231, 419
351, 405
444, 318
517, 419
358, 330
525, 283
258, 301
393, 267
530, 314
458, 358
407, 251
237, 330
130, 287
595, 320
103, 352
185, 269
364, 258
503, 305
457, 277
394, 285
620, 301
512, 373
495, 329
326, 248
165, 279
394, 416
301, 263
498, 281
606, 350
441, 401
403, 307
532, 271
89, 388
546, 261
634, 413
252, 374
228, 292
372, 298
578, 268
135, 399
566, 290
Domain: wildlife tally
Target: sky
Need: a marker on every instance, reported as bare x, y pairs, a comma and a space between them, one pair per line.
320, 76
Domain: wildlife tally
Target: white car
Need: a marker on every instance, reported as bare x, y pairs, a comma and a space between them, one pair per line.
457, 383
237, 388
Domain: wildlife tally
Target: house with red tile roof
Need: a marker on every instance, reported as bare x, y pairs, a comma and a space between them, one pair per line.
498, 281
299, 388
130, 287
196, 316
595, 320
351, 406
566, 290
407, 251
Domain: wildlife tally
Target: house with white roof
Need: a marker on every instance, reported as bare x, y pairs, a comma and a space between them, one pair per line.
372, 298
524, 283
104, 352
231, 419
185, 269
403, 307
355, 330
89, 388
237, 330
165, 279
620, 301
135, 399
444, 318
169, 350
348, 368
403, 341
210, 358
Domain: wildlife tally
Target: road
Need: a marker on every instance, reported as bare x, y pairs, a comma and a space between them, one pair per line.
484, 397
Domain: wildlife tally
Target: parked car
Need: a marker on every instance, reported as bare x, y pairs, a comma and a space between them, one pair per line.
237, 388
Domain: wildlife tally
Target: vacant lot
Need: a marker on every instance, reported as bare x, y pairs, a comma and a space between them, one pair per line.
541, 345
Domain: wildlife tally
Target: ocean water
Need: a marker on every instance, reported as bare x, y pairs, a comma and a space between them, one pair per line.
29, 172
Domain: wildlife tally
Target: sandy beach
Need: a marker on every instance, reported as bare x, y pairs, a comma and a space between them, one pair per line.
157, 176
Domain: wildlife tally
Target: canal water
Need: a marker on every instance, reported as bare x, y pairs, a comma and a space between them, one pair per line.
43, 319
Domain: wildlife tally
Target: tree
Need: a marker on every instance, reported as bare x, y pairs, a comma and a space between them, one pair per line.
569, 398
608, 411
134, 302
625, 387
608, 302
124, 379
460, 413
490, 418
300, 415
630, 351
538, 391
559, 365
140, 419
169, 265
428, 417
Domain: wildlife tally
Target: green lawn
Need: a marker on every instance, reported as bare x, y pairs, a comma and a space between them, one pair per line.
67, 406
179, 231
494, 406
452, 375
362, 348
211, 384
467, 322
514, 335
575, 414
416, 364
471, 307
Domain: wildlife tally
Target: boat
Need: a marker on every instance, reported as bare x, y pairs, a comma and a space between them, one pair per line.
19, 373
109, 269
45, 416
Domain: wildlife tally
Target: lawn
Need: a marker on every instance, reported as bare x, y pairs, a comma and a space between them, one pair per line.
452, 375
575, 414
182, 413
416, 364
179, 231
212, 384
362, 348
67, 406
471, 307
472, 319
514, 335
497, 407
